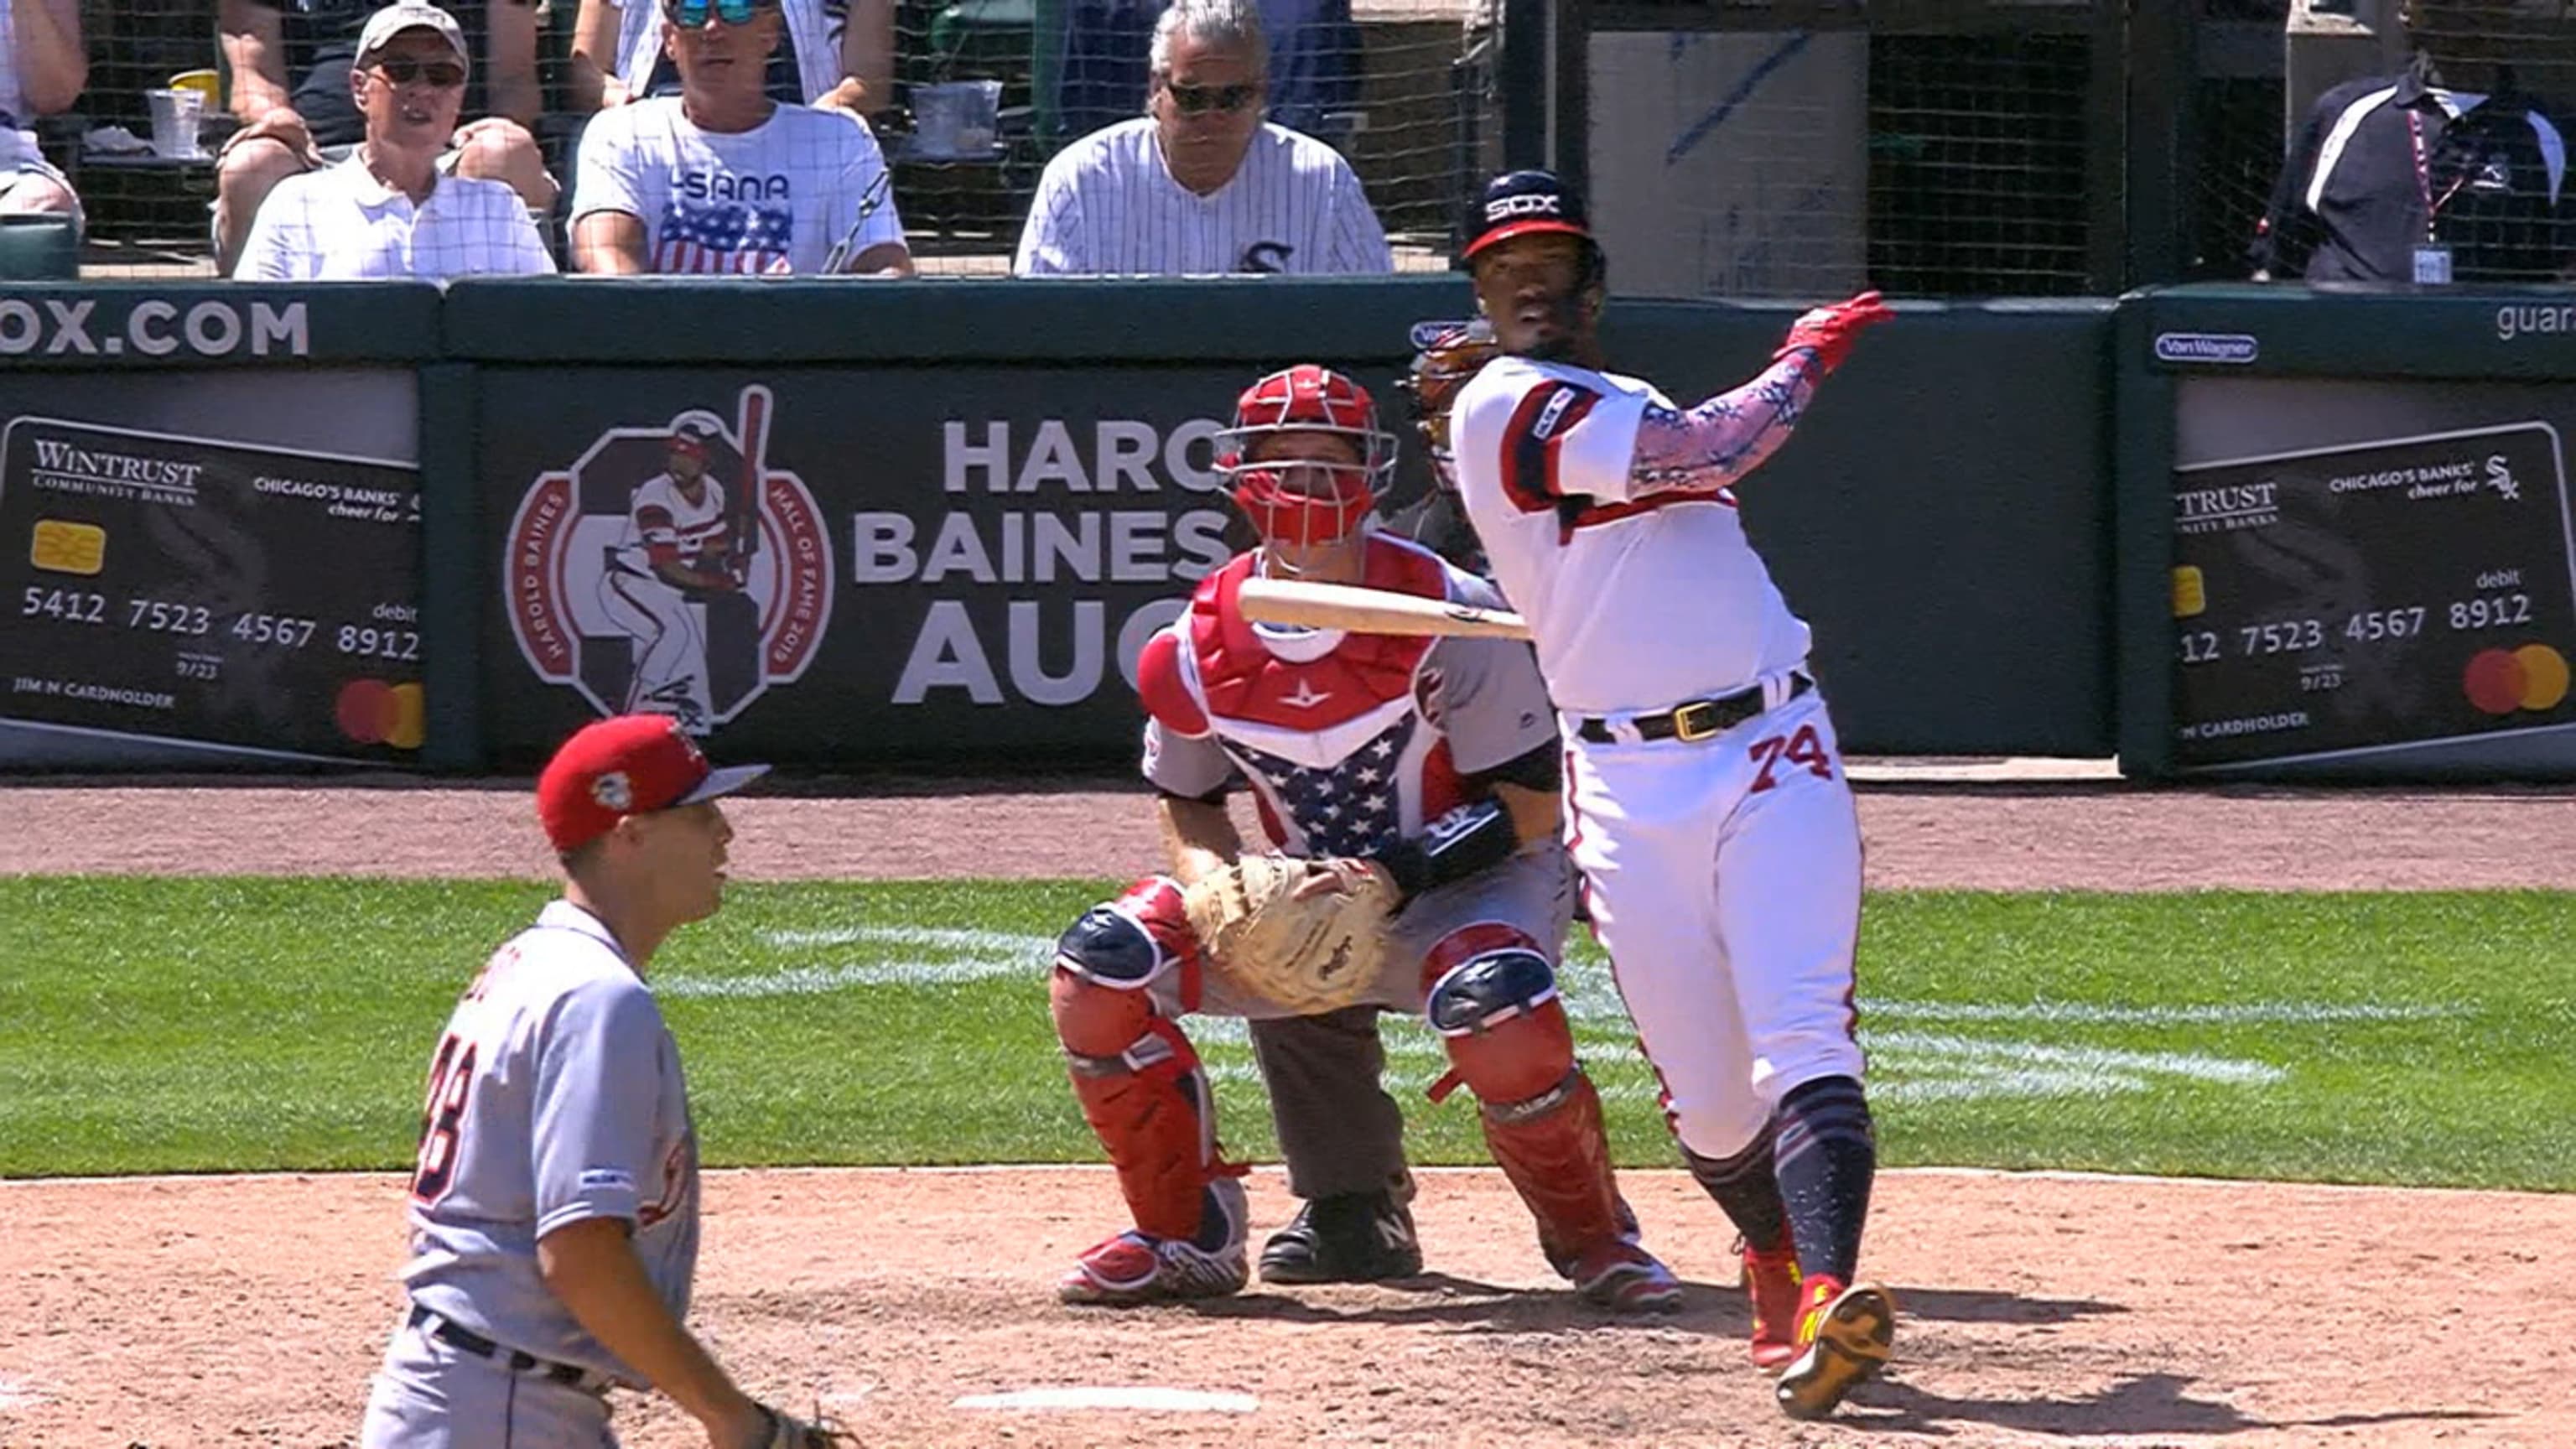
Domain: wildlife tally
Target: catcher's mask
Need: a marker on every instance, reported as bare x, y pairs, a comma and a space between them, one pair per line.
1305, 502
1447, 354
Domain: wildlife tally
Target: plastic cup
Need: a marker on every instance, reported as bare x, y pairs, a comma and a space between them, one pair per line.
175, 114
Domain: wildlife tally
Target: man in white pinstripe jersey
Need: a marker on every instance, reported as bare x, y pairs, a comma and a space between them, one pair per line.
1201, 185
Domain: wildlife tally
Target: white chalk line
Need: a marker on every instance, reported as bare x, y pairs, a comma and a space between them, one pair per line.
1915, 1066
15, 1393
1148, 1398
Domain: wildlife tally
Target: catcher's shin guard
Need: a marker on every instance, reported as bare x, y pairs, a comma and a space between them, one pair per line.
1497, 1013
1135, 1073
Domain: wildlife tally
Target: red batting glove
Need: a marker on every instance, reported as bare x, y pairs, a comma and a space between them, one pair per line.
1830, 331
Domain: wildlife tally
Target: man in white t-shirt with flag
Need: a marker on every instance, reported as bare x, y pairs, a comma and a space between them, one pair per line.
721, 179
1200, 185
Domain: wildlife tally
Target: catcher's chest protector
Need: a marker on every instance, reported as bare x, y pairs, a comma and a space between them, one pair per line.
1342, 758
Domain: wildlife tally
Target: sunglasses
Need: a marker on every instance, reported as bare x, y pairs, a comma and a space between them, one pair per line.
439, 73
690, 14
1198, 100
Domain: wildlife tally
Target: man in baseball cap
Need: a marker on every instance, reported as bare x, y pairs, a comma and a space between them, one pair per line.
615, 770
554, 1201
393, 20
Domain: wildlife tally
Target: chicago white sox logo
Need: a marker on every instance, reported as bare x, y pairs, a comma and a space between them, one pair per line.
1540, 204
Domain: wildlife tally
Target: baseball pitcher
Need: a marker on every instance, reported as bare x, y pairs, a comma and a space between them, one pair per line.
1707, 805
1408, 789
554, 1202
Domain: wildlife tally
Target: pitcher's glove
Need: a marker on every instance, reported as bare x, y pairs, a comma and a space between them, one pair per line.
787, 1433
1830, 331
1309, 935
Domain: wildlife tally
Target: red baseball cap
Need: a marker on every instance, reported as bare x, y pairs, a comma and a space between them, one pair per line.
629, 764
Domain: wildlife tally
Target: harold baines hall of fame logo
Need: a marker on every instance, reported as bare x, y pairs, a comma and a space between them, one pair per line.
671, 570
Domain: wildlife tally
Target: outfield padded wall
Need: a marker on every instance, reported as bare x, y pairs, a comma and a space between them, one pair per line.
1943, 516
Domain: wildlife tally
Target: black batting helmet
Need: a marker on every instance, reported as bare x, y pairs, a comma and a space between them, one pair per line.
1522, 203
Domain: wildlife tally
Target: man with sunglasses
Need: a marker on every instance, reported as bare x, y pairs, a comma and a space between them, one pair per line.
722, 179
292, 91
388, 211
839, 55
1201, 185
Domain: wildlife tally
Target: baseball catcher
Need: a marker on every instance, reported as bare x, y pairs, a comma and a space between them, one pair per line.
1408, 790
681, 558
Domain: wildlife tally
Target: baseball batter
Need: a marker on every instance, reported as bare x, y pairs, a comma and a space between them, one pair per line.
678, 552
554, 1206
1430, 766
1706, 800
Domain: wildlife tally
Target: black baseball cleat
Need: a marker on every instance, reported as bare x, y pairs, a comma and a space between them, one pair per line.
1361, 1237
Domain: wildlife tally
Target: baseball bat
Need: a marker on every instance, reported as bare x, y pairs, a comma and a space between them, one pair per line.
753, 429
1370, 611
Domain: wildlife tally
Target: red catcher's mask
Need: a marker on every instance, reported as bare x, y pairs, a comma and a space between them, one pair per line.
1302, 502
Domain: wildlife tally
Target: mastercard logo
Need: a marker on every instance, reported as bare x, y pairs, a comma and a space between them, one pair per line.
372, 712
2501, 681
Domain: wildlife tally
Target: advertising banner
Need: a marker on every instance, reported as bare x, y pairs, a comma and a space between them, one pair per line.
848, 566
210, 569
2373, 577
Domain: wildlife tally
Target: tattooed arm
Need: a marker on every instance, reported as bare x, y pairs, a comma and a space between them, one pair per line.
1716, 443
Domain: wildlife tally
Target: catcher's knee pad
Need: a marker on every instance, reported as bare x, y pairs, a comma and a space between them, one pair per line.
1494, 1003
1109, 957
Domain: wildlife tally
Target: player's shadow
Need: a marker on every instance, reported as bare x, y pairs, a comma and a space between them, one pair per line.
1716, 1309
1471, 1306
2147, 1404
1975, 1305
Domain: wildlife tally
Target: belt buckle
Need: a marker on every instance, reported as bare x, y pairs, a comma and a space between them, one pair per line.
1697, 721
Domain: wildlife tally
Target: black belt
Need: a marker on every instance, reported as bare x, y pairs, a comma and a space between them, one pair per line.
481, 1347
1697, 720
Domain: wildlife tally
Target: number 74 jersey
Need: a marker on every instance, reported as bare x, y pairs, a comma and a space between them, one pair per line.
555, 1095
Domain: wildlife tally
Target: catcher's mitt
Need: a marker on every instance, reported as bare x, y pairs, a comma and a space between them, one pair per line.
1308, 935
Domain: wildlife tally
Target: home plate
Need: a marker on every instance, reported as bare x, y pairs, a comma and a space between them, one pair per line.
1171, 1401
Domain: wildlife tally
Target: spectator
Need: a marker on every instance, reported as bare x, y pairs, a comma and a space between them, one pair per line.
387, 211
721, 178
2390, 167
291, 90
42, 71
1201, 185
839, 55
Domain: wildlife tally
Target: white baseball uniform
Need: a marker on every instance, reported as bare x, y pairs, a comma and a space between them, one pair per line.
1107, 205
774, 199
1723, 873
555, 1096
670, 640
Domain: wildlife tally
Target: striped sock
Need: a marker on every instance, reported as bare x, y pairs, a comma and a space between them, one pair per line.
1827, 1156
1747, 1187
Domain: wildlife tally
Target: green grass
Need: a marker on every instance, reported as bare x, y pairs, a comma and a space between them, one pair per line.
182, 1025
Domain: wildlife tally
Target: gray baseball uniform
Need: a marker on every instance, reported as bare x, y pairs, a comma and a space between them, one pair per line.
555, 1096
1351, 744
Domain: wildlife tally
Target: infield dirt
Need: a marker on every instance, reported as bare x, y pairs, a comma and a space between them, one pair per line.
2036, 1309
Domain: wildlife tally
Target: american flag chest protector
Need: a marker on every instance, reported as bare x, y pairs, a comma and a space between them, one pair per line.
1341, 751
